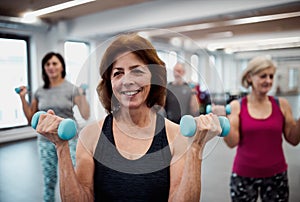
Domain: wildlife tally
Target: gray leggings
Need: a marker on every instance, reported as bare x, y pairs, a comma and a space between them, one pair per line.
270, 189
48, 158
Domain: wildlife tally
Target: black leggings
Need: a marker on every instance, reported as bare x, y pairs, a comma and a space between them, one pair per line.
270, 189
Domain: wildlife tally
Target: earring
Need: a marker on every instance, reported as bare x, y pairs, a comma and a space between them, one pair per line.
115, 108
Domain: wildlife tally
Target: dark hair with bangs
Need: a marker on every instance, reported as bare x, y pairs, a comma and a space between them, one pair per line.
146, 52
45, 59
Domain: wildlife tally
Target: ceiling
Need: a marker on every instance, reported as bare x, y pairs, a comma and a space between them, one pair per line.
273, 19
284, 18
17, 8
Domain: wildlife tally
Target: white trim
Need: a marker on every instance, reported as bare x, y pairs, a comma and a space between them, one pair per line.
17, 134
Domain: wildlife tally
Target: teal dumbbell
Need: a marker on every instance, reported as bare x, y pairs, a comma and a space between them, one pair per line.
18, 90
227, 109
188, 126
84, 87
67, 128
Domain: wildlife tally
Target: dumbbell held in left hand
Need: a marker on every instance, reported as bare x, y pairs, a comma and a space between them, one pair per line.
227, 109
188, 126
66, 130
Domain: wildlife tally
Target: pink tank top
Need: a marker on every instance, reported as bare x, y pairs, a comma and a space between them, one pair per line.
260, 152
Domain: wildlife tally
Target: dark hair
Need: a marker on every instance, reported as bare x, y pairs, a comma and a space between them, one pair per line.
45, 59
146, 52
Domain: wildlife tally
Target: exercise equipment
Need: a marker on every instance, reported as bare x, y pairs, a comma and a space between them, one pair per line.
188, 126
227, 109
67, 128
84, 87
18, 89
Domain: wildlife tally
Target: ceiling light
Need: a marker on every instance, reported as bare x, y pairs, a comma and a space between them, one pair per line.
51, 9
241, 21
225, 34
176, 41
265, 18
256, 44
29, 19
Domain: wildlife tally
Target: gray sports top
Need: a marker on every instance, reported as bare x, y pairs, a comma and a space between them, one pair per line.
59, 98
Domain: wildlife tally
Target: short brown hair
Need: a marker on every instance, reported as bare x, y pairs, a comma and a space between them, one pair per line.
146, 52
256, 65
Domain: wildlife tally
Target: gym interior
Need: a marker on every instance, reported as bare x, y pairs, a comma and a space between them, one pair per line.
215, 39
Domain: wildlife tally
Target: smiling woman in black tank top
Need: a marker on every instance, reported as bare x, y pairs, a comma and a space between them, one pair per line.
134, 154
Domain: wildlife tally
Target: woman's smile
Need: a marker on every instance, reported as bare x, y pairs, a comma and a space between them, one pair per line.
131, 92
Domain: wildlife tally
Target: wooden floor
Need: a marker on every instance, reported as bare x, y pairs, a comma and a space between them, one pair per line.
21, 177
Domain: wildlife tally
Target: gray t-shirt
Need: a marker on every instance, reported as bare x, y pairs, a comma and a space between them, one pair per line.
59, 98
177, 101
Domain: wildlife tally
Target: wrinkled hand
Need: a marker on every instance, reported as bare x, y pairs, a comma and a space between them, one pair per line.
208, 126
219, 110
23, 91
48, 126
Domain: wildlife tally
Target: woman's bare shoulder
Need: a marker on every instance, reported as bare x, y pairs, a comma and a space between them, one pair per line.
283, 102
235, 106
177, 142
284, 106
172, 129
90, 134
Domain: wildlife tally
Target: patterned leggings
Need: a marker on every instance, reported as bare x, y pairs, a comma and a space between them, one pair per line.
271, 189
48, 158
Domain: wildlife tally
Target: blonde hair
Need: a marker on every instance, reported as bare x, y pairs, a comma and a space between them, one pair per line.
256, 65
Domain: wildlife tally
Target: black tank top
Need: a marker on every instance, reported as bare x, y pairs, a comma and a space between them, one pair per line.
119, 179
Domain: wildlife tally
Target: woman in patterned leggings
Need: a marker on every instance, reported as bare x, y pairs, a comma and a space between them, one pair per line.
61, 96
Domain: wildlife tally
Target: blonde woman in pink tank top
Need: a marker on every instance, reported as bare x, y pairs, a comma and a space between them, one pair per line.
257, 124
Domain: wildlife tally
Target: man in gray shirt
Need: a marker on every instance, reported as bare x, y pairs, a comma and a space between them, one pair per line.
181, 99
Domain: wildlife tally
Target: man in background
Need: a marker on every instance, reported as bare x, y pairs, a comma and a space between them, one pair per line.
181, 99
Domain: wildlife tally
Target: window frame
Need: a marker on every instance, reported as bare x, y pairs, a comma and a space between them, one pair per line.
28, 56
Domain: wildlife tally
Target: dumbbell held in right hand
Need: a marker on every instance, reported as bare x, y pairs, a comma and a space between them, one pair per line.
188, 126
227, 109
84, 87
66, 130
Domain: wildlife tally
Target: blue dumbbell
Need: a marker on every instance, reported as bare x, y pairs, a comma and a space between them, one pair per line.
227, 109
67, 128
18, 89
84, 87
188, 126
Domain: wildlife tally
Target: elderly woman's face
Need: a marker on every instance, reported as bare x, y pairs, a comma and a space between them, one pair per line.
262, 81
130, 81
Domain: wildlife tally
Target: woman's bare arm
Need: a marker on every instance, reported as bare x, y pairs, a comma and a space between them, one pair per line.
74, 185
233, 138
291, 126
187, 158
28, 109
83, 106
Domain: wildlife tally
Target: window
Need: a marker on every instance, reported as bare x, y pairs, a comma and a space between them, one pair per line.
77, 71
14, 54
170, 59
76, 53
293, 79
195, 71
